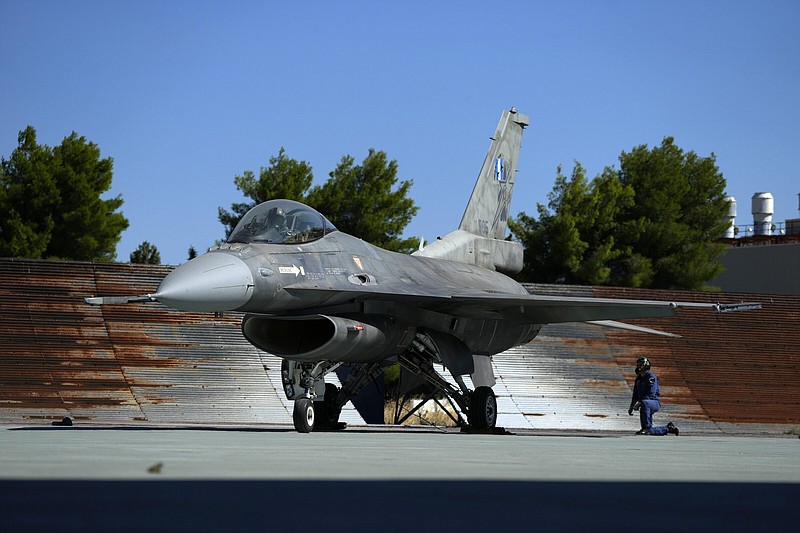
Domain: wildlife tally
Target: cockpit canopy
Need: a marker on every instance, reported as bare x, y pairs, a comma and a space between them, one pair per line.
281, 222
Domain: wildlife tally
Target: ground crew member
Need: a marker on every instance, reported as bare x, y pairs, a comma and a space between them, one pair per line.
646, 400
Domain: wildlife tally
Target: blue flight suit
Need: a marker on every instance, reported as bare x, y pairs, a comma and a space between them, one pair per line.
646, 392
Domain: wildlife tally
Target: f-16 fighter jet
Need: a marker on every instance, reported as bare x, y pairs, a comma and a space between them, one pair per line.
318, 298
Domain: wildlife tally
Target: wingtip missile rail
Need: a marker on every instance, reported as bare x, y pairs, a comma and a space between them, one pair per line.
744, 306
112, 300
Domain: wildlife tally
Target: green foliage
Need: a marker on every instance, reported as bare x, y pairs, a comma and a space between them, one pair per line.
677, 213
192, 253
652, 223
26, 190
51, 205
146, 254
284, 178
575, 243
359, 200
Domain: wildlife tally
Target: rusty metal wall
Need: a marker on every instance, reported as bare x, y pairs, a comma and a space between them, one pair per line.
732, 369
125, 364
146, 363
729, 372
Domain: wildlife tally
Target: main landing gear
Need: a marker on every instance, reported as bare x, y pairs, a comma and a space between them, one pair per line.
317, 405
479, 405
483, 408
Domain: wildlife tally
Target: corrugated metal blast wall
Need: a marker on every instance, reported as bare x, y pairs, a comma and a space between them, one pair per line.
125, 363
145, 363
729, 372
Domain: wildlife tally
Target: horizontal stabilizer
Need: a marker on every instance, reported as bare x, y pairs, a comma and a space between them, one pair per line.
631, 327
113, 300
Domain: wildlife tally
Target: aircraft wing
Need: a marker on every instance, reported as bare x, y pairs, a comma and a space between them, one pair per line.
530, 308
546, 309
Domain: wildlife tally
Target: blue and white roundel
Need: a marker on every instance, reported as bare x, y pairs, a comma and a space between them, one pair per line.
499, 169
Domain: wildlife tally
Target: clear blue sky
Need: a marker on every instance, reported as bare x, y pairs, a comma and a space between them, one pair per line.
186, 95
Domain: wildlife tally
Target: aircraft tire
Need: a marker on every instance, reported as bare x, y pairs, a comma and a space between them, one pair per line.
483, 408
303, 415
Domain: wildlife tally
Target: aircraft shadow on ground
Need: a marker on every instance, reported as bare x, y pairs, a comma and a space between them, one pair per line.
394, 505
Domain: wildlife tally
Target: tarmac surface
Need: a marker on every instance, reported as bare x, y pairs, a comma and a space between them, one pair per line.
142, 478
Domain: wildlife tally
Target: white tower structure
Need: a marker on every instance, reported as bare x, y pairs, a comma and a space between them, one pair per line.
763, 209
730, 218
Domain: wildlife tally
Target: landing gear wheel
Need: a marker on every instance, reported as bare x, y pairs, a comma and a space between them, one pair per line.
483, 408
303, 415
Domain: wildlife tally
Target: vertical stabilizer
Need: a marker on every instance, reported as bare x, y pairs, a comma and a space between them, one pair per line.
486, 214
479, 239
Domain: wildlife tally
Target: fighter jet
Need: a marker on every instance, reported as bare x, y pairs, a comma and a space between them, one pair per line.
319, 298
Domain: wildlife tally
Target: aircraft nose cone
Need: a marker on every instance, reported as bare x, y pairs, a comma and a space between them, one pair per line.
211, 282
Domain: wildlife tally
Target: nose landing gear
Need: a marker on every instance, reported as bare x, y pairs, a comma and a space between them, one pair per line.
317, 405
304, 415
